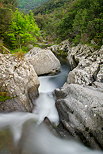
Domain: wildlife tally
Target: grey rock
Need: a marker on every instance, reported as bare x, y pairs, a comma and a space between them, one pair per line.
86, 65
19, 81
54, 48
85, 73
43, 61
63, 46
79, 101
100, 74
76, 53
81, 113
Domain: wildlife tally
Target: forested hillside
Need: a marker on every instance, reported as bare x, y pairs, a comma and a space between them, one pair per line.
50, 6
27, 5
77, 20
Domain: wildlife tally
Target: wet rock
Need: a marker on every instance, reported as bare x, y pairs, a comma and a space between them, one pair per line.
19, 83
43, 61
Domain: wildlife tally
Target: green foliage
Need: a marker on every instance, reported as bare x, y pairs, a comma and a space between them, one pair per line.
86, 24
23, 29
77, 20
4, 96
6, 7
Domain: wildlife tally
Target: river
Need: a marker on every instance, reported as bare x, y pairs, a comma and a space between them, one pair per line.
24, 133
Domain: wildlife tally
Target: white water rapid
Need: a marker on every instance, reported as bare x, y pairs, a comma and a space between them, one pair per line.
29, 135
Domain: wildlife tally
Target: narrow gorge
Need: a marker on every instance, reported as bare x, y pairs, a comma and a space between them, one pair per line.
78, 98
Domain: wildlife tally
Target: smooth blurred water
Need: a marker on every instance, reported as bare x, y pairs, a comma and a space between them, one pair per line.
50, 83
27, 133
41, 141
45, 103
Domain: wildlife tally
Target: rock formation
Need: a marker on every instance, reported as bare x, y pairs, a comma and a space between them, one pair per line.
87, 64
18, 82
81, 113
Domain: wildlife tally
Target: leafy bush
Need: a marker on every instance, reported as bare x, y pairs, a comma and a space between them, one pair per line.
23, 29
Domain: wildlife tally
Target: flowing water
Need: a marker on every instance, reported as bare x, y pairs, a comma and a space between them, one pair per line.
45, 104
24, 133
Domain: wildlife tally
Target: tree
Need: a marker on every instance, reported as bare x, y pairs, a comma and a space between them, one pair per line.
23, 29
6, 7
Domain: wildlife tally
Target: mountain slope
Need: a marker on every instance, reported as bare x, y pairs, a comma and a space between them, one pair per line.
27, 5
50, 6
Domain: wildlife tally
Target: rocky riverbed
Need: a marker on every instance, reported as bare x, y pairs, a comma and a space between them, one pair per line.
80, 100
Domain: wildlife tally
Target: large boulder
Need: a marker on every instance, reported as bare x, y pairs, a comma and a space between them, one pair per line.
81, 113
43, 61
18, 84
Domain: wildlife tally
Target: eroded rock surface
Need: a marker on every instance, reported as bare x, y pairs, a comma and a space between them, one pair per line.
19, 81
